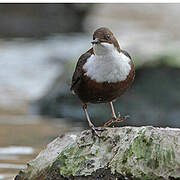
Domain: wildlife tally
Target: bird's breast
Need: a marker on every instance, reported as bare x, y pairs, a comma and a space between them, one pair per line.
111, 68
101, 92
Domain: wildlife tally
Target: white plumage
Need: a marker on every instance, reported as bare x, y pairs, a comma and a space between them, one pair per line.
107, 65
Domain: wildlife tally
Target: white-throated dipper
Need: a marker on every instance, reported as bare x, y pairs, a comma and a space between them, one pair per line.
103, 73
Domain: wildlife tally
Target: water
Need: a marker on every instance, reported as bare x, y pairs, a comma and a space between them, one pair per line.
22, 138
27, 63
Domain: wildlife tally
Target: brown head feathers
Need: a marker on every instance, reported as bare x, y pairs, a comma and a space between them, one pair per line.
104, 35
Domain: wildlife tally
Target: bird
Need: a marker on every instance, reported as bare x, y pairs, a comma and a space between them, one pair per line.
102, 74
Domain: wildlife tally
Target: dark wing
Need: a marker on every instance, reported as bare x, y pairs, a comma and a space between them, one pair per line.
126, 54
132, 64
78, 70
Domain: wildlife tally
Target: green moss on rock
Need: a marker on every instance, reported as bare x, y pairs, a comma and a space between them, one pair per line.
144, 153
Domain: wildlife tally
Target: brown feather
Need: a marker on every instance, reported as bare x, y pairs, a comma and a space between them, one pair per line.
78, 70
89, 90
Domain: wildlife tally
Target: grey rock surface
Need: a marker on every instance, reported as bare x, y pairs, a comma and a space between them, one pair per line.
127, 152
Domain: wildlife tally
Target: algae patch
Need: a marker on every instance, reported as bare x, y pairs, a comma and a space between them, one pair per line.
70, 161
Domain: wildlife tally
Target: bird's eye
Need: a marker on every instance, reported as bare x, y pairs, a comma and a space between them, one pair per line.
107, 36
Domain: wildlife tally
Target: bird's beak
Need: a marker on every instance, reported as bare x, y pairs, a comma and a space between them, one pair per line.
96, 41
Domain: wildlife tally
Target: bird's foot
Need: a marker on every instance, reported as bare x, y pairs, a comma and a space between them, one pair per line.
96, 129
100, 129
119, 118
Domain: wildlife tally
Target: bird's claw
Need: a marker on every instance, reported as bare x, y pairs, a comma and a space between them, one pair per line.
100, 129
119, 118
95, 129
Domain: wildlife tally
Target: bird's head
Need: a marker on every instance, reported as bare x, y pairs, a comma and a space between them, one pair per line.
104, 42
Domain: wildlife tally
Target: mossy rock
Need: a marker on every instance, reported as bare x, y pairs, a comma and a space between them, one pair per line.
122, 153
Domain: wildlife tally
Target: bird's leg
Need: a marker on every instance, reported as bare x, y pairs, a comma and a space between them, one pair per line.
89, 121
114, 117
112, 110
108, 123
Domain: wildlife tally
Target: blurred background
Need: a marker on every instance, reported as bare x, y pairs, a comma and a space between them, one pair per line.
39, 47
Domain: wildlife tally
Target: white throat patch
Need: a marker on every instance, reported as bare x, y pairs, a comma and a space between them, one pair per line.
110, 67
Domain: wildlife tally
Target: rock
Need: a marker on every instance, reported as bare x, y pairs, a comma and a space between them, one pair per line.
123, 153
